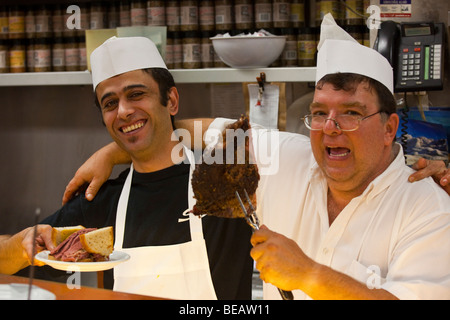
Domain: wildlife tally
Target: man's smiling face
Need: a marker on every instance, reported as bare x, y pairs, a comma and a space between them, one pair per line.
133, 114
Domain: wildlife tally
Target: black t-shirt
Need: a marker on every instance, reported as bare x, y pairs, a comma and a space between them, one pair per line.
157, 200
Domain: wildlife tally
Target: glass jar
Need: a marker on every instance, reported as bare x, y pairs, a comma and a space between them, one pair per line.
30, 24
17, 56
156, 13
4, 56
43, 20
243, 14
207, 49
289, 57
351, 18
206, 14
42, 55
83, 55
71, 54
29, 55
188, 15
223, 14
334, 7
263, 14
97, 16
125, 14
177, 50
172, 15
281, 13
298, 13
58, 22
58, 60
138, 13
4, 23
113, 14
192, 58
307, 47
168, 58
16, 22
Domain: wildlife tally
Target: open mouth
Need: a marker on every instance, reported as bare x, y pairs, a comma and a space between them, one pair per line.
337, 152
132, 127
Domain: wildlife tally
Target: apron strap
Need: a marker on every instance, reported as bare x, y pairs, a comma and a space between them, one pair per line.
122, 210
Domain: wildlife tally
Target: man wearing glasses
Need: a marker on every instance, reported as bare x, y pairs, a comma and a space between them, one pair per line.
343, 222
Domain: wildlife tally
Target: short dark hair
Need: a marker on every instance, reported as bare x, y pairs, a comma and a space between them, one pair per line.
165, 82
349, 82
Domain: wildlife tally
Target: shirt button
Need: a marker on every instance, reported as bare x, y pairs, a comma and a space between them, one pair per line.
325, 250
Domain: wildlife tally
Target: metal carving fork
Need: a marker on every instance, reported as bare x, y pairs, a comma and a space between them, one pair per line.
253, 221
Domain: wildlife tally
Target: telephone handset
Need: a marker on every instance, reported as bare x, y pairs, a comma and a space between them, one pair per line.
416, 53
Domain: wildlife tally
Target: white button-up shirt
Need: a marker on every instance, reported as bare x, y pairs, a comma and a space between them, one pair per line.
394, 236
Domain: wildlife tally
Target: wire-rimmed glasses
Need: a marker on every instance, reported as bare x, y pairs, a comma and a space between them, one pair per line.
344, 122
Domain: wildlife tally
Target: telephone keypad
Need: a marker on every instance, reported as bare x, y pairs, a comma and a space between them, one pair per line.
411, 64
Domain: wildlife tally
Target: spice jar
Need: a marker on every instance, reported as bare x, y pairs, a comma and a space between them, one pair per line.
298, 13
333, 7
156, 13
42, 55
243, 14
4, 24
138, 13
263, 14
192, 58
289, 57
4, 56
206, 14
125, 14
58, 60
30, 24
97, 16
16, 23
188, 15
207, 49
71, 54
58, 22
174, 50
306, 45
281, 13
85, 19
173, 15
17, 56
223, 14
177, 50
29, 55
168, 57
43, 20
352, 7
83, 55
113, 16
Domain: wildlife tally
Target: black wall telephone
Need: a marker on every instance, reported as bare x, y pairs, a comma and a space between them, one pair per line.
416, 53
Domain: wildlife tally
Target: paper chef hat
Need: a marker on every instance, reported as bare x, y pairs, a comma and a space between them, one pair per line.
339, 52
119, 55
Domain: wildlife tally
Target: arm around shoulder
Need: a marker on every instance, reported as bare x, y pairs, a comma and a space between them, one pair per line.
95, 171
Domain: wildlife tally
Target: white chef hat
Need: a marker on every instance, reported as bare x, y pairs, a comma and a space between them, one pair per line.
119, 55
338, 52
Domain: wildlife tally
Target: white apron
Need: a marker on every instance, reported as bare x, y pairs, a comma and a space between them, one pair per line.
179, 271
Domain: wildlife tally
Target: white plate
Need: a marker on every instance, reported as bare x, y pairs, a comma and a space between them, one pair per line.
114, 259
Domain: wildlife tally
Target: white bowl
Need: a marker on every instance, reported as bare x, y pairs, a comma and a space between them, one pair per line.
249, 51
